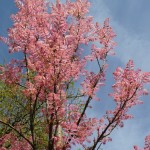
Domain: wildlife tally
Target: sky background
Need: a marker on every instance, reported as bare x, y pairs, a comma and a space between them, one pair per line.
130, 20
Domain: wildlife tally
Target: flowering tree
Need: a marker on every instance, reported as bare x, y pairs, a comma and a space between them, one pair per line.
41, 108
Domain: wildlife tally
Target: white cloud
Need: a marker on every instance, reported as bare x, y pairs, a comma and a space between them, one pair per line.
129, 45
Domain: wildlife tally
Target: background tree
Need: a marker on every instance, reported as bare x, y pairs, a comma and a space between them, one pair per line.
48, 111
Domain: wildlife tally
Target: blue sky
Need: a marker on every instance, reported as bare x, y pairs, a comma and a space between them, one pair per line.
130, 21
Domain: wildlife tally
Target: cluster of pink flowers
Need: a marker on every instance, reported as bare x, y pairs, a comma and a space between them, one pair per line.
127, 90
147, 144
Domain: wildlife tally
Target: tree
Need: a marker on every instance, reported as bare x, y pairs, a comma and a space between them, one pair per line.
46, 94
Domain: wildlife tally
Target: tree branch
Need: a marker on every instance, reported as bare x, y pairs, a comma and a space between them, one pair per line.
2, 122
